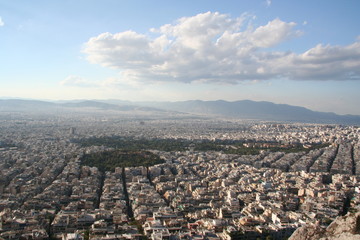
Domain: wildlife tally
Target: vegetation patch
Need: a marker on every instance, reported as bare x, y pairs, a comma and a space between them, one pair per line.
109, 160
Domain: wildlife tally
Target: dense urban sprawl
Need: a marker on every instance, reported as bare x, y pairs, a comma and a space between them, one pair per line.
45, 191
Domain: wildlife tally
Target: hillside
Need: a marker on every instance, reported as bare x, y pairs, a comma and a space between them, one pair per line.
245, 109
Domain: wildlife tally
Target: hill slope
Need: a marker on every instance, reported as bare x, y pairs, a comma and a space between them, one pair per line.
245, 109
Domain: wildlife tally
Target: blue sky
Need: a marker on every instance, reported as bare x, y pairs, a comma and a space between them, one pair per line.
304, 53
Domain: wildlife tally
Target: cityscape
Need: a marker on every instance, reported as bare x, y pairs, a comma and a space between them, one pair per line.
300, 174
179, 120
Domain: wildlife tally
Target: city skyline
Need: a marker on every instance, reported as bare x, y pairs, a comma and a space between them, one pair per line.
299, 53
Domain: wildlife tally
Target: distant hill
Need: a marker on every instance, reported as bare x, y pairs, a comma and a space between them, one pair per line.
244, 109
103, 105
19, 105
267, 111
98, 105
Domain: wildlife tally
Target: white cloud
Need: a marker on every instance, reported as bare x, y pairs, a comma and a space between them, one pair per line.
1, 22
213, 47
273, 33
77, 81
328, 62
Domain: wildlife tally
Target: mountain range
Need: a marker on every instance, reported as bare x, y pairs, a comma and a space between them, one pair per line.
244, 109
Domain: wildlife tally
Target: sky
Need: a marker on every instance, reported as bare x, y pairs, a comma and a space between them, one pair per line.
303, 53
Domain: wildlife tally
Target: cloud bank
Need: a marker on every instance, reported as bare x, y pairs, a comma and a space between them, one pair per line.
215, 48
1, 22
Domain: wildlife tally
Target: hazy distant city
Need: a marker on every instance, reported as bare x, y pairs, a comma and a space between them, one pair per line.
221, 178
